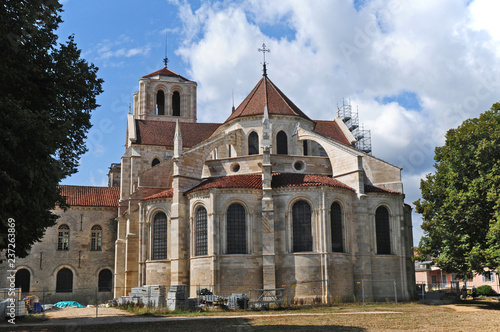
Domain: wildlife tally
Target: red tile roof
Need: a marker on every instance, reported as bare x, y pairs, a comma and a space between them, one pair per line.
277, 102
373, 189
91, 196
332, 130
247, 181
279, 180
165, 72
169, 193
162, 132
287, 180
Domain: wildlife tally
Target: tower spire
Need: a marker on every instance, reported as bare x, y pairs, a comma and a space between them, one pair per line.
264, 50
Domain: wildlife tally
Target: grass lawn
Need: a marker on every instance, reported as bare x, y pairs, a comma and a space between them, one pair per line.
466, 316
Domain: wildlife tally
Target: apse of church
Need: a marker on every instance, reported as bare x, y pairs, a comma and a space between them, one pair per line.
267, 198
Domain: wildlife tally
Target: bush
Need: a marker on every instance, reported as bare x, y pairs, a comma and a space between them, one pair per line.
485, 290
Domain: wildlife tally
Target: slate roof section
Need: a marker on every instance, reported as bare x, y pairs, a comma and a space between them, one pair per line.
277, 102
91, 196
373, 189
150, 132
279, 180
169, 193
332, 130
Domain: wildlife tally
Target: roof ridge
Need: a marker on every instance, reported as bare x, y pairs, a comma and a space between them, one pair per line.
247, 100
83, 186
165, 72
286, 100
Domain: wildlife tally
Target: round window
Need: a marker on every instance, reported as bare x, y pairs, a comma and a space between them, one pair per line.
299, 165
235, 167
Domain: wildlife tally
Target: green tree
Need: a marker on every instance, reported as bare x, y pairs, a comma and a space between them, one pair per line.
46, 95
460, 203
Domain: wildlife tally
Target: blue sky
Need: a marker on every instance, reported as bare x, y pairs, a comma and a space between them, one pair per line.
412, 69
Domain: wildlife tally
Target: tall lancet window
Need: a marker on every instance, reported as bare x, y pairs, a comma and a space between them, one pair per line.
302, 230
336, 224
176, 104
160, 103
383, 231
160, 225
253, 143
282, 142
201, 232
236, 229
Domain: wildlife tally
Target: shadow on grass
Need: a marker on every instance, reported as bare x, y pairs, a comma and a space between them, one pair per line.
177, 324
479, 303
226, 324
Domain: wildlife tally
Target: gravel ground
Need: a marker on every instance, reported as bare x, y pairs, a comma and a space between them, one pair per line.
85, 312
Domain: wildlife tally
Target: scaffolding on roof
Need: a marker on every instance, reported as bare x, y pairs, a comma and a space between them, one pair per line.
351, 120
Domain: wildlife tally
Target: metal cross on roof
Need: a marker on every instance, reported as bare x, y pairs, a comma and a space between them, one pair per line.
264, 50
165, 59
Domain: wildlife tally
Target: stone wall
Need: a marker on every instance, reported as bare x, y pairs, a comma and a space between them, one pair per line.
45, 261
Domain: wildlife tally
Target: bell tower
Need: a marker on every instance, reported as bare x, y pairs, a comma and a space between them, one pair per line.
165, 96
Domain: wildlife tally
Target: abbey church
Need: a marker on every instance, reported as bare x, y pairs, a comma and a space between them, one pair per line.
267, 198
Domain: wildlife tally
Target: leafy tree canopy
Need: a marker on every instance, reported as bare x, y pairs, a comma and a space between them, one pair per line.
46, 95
460, 202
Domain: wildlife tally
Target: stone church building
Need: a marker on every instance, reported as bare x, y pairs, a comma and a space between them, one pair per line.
267, 198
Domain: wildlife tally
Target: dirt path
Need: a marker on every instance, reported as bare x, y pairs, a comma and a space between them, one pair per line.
85, 313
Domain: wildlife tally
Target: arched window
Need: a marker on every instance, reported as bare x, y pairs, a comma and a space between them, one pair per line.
201, 232
160, 103
160, 226
282, 142
63, 237
336, 225
253, 143
155, 162
236, 229
23, 280
176, 104
105, 280
96, 238
382, 231
302, 230
64, 282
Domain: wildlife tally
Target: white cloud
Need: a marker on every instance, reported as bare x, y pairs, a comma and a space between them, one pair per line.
108, 53
101, 180
446, 52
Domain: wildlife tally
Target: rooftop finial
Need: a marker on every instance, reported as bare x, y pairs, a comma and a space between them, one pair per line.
264, 50
233, 109
165, 59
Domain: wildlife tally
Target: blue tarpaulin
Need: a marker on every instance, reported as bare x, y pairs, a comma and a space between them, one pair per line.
64, 304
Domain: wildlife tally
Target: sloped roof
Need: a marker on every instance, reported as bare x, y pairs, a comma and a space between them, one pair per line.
162, 133
247, 181
266, 91
165, 72
279, 180
169, 193
91, 196
373, 189
332, 130
288, 180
